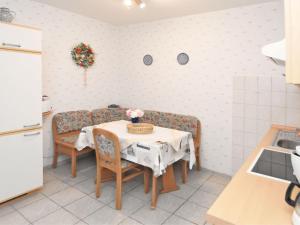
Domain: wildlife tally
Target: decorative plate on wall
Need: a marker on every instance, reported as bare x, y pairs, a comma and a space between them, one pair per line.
148, 60
183, 58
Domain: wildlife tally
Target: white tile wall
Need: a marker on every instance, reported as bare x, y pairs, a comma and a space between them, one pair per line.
277, 103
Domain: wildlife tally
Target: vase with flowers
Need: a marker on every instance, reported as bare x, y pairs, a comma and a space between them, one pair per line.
134, 114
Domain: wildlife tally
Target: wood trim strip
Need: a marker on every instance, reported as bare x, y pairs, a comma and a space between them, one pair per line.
15, 198
21, 50
23, 26
12, 132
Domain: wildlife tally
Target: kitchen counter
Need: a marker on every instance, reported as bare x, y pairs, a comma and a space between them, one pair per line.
251, 199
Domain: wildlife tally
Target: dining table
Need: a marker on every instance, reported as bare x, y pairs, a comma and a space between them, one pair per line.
157, 151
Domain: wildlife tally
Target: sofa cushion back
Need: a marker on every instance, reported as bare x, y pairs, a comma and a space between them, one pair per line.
72, 121
107, 115
171, 120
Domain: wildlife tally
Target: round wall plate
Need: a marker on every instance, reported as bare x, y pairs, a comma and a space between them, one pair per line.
148, 60
183, 58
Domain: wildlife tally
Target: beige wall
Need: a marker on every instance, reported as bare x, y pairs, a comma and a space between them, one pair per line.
221, 45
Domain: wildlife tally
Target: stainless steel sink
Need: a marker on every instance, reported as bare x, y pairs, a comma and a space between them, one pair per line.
288, 144
287, 139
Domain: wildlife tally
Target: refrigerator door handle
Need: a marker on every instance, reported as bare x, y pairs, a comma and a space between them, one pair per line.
32, 125
32, 134
11, 45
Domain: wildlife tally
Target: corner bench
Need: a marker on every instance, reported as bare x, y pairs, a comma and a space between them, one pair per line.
66, 128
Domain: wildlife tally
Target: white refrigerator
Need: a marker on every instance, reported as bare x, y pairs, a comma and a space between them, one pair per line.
21, 150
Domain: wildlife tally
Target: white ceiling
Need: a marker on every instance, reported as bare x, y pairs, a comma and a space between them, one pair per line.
114, 12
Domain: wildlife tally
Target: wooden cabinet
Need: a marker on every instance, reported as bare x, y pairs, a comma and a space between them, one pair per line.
20, 89
292, 30
21, 163
20, 37
21, 149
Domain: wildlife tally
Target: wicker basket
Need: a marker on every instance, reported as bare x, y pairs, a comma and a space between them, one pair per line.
140, 128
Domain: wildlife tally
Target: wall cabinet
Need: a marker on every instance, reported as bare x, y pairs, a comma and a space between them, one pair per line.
292, 30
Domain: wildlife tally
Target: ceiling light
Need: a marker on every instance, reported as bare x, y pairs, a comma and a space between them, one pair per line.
142, 5
128, 3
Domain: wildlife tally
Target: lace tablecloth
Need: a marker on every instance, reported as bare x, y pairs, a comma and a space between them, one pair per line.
157, 150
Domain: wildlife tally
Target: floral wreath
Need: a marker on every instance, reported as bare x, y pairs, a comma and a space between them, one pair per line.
83, 55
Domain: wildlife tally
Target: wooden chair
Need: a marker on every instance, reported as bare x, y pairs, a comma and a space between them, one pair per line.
108, 155
64, 143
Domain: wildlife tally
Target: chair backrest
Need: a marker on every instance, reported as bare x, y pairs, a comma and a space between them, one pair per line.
108, 149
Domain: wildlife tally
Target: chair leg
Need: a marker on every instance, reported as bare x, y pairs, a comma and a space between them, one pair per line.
55, 156
198, 158
146, 180
98, 182
119, 191
184, 169
74, 162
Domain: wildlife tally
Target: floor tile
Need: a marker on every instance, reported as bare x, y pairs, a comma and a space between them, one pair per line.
130, 185
129, 221
13, 219
107, 194
81, 176
169, 202
48, 176
203, 198
53, 187
129, 204
5, 209
27, 199
197, 178
149, 216
192, 212
59, 217
220, 178
38, 209
212, 187
177, 220
185, 191
86, 162
81, 223
139, 193
63, 171
88, 186
67, 196
105, 215
84, 207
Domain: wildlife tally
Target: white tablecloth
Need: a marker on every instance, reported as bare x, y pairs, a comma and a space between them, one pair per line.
157, 150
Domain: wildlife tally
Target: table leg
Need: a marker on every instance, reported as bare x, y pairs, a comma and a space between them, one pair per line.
168, 180
154, 192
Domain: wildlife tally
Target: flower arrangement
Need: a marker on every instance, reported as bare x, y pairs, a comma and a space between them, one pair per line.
83, 55
134, 114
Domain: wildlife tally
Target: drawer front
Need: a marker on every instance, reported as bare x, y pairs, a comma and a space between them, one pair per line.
21, 163
20, 38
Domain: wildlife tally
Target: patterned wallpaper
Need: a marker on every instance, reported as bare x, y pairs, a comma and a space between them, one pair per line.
221, 45
62, 79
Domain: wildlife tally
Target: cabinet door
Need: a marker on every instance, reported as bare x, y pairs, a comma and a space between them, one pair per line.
21, 163
12, 36
292, 18
20, 90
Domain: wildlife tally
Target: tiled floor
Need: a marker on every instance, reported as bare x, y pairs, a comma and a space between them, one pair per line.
65, 200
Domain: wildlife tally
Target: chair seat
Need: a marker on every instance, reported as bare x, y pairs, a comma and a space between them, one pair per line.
71, 139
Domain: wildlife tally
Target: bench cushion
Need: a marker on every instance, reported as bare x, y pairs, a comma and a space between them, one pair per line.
72, 121
171, 120
107, 115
